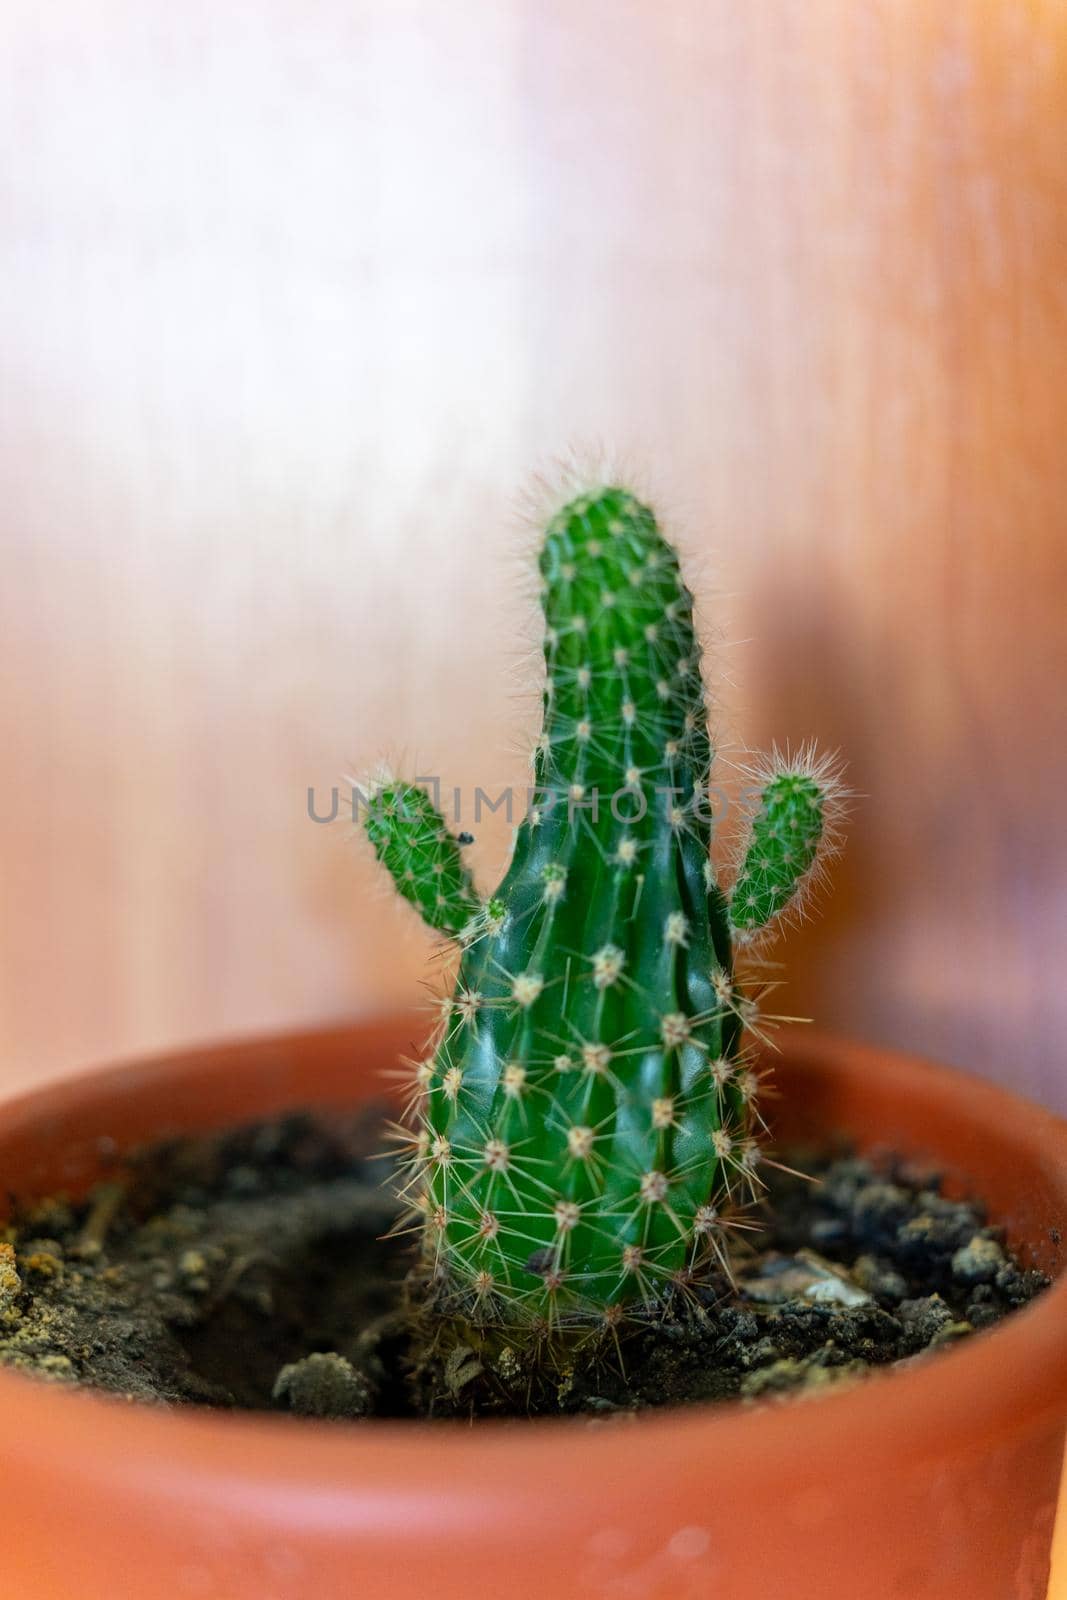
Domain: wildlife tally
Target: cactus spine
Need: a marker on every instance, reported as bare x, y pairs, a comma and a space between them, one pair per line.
586, 1113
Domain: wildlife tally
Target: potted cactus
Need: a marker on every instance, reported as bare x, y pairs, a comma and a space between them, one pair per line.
584, 1134
585, 1121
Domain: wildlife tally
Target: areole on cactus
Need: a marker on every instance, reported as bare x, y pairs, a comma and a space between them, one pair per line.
585, 1121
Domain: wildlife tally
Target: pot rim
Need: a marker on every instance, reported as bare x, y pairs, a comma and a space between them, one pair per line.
310, 1471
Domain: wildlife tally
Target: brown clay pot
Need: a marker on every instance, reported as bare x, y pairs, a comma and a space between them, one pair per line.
936, 1481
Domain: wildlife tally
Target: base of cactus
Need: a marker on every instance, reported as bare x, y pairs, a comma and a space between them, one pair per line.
949, 1468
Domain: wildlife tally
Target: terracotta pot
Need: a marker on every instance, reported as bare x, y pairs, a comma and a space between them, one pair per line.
938, 1481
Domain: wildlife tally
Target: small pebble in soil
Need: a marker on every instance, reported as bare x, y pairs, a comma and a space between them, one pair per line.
979, 1261
10, 1287
322, 1385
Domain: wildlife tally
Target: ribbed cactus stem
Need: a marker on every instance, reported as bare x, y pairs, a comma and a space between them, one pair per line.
586, 1118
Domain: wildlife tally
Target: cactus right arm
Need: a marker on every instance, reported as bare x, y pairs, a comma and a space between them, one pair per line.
793, 831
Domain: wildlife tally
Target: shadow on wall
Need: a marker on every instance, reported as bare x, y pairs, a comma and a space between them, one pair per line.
946, 874
801, 682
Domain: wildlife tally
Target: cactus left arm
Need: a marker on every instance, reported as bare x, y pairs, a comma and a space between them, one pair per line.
411, 839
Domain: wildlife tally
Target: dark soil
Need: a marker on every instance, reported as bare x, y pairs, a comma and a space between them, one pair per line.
248, 1270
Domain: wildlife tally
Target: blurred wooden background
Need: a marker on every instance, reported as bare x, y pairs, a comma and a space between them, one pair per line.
293, 295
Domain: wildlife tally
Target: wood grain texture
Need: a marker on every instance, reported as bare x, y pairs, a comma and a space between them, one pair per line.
293, 295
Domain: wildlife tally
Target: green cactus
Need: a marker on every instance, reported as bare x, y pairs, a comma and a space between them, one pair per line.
585, 1115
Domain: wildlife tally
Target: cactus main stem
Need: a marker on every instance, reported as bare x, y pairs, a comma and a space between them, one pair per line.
584, 1114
